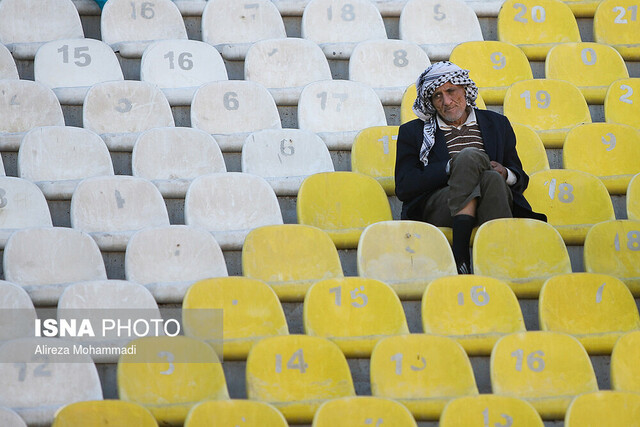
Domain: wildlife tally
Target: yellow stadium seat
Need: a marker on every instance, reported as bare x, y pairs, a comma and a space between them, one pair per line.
353, 312
572, 200
103, 413
609, 151
522, 252
545, 368
535, 26
342, 204
489, 410
290, 258
633, 198
234, 413
604, 408
622, 102
592, 67
530, 149
550, 107
409, 97
296, 374
474, 310
363, 410
625, 369
493, 66
249, 307
373, 153
421, 371
611, 309
404, 254
616, 23
168, 375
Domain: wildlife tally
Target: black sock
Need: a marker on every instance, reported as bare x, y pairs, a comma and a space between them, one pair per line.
462, 228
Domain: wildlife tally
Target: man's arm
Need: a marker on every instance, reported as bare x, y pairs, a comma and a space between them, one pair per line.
511, 160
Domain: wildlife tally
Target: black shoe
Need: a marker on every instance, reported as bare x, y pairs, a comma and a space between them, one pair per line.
464, 268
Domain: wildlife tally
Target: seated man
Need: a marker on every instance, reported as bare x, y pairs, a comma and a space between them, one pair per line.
457, 166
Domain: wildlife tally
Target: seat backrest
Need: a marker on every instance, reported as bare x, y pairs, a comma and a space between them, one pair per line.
474, 310
10, 418
616, 23
169, 375
492, 409
25, 104
409, 97
251, 312
106, 295
602, 407
545, 368
111, 411
606, 150
530, 149
8, 68
612, 310
23, 205
353, 312
363, 410
342, 204
625, 370
622, 102
633, 198
17, 314
421, 371
290, 258
308, 371
373, 153
234, 412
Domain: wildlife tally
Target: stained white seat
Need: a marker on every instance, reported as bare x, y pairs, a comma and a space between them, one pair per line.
285, 157
9, 418
17, 314
8, 69
22, 205
171, 157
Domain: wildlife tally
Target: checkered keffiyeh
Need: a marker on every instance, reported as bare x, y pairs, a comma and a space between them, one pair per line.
432, 78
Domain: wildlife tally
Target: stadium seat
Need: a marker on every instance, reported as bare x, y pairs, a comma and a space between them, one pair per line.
230, 205
363, 410
474, 310
8, 69
613, 247
130, 26
388, 66
633, 198
168, 259
249, 307
290, 258
17, 314
530, 149
609, 151
550, 107
23, 205
104, 412
338, 109
592, 67
57, 158
407, 255
615, 23
343, 204
409, 97
71, 66
373, 153
112, 208
520, 251
285, 66
170, 375
492, 409
234, 412
338, 25
119, 110
179, 67
172, 157
572, 200
285, 157
232, 27
548, 369
438, 26
26, 24
625, 370
46, 260
353, 312
622, 102
535, 26
493, 66
9, 418
564, 300
231, 110
24, 105
36, 385
603, 408
308, 371
435, 371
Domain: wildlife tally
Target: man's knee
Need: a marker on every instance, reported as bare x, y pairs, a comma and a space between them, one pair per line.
471, 157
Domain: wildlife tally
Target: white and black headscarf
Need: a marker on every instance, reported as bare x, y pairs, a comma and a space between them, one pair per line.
432, 78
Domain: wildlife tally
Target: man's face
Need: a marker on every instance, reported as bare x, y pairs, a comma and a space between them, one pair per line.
450, 103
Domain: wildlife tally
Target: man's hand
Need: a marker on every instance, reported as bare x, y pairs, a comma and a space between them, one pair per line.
499, 168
